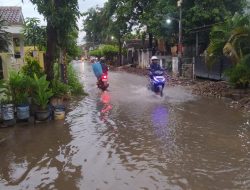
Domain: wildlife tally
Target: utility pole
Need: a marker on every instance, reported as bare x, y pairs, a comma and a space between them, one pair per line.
179, 3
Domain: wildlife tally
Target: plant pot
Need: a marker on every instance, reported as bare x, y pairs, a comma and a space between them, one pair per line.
23, 111
42, 115
56, 101
7, 111
59, 112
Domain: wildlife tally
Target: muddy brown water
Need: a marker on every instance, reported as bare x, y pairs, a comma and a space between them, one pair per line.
129, 139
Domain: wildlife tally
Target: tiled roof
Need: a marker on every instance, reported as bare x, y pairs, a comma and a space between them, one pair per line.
13, 15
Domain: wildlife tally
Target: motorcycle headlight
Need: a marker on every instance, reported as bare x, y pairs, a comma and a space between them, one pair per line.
155, 79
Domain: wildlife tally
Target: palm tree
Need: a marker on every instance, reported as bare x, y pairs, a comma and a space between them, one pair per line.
4, 37
232, 39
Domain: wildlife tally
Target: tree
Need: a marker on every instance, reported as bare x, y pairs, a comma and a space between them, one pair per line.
34, 34
4, 37
232, 38
61, 17
119, 17
95, 25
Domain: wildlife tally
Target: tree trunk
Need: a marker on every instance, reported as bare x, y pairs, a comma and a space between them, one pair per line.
63, 66
51, 51
150, 45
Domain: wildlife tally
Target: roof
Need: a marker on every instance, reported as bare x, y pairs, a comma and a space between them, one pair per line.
13, 15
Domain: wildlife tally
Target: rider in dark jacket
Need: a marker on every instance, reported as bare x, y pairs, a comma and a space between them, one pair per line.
154, 66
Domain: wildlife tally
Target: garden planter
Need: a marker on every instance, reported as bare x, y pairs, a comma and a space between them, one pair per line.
59, 112
56, 101
7, 112
42, 115
23, 112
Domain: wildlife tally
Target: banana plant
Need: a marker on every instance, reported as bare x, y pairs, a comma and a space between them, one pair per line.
42, 91
231, 39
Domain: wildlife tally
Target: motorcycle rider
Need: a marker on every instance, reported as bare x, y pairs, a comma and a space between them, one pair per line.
154, 66
104, 65
97, 68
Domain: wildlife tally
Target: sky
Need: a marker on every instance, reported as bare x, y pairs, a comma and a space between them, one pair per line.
29, 10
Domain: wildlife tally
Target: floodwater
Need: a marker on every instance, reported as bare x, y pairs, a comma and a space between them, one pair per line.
130, 139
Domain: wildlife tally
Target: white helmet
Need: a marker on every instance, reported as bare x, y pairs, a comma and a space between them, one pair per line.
154, 58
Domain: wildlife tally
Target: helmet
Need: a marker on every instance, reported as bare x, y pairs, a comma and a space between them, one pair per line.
102, 58
154, 58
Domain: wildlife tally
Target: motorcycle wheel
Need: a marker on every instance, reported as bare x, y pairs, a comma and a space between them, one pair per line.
160, 90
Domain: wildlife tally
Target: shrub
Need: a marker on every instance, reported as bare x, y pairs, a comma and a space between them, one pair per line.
21, 87
96, 53
32, 67
42, 91
109, 51
239, 75
59, 89
75, 86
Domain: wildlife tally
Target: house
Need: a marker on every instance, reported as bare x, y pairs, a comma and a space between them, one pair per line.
14, 57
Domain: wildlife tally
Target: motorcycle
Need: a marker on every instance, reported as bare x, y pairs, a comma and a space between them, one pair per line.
157, 81
103, 82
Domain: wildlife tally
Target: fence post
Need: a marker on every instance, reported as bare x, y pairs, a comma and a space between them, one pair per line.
193, 68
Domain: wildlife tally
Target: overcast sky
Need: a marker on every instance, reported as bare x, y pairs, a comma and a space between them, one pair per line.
29, 9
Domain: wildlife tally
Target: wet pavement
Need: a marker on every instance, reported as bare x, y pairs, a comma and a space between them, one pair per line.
129, 139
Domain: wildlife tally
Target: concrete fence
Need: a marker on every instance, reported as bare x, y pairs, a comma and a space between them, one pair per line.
8, 63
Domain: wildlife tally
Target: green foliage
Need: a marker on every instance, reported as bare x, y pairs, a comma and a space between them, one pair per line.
239, 75
5, 93
117, 18
42, 91
107, 51
75, 86
34, 34
96, 53
4, 37
61, 17
32, 67
21, 87
59, 89
231, 39
74, 51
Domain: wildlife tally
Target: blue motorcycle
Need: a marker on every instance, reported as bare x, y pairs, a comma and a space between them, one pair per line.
157, 81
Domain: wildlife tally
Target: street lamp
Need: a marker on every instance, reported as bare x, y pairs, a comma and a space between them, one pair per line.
168, 21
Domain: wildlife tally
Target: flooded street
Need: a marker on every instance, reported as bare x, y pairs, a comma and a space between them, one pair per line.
130, 139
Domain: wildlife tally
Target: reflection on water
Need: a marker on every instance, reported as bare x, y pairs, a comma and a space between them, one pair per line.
128, 138
106, 107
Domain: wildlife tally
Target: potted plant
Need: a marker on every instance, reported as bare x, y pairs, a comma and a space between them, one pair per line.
7, 106
41, 96
20, 85
60, 91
